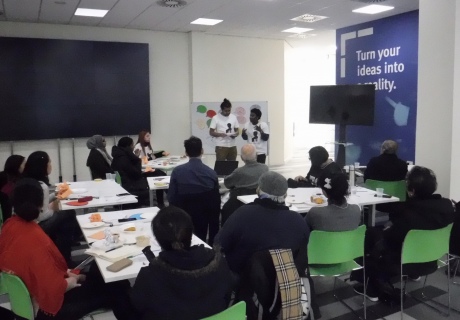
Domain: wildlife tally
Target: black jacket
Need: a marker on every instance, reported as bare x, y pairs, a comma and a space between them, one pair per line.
187, 285
97, 165
130, 169
429, 213
386, 167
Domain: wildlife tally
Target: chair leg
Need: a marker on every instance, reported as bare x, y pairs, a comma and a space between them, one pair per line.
344, 303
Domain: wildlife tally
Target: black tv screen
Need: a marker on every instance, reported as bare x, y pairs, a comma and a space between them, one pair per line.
67, 88
342, 104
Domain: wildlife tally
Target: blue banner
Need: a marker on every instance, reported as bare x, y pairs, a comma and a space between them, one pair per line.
385, 53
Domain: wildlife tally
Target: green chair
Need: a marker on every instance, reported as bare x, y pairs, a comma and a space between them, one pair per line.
117, 177
393, 188
235, 312
422, 246
21, 303
332, 254
2, 285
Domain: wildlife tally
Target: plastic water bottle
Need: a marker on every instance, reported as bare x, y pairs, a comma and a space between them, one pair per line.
351, 180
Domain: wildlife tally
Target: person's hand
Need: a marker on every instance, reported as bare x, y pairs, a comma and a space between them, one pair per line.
300, 178
244, 131
54, 205
165, 154
258, 128
79, 277
72, 282
137, 152
223, 135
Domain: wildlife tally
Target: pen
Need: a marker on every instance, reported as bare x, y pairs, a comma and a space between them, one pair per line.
113, 249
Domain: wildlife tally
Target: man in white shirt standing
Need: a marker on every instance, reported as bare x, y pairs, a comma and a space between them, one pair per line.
257, 133
224, 127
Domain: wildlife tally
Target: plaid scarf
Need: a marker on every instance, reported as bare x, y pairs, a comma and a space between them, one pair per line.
289, 284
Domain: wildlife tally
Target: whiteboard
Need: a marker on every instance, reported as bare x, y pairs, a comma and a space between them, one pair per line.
201, 114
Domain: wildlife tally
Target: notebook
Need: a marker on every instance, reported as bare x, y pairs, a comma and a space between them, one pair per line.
224, 168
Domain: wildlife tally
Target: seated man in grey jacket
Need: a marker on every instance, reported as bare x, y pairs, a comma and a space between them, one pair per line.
243, 180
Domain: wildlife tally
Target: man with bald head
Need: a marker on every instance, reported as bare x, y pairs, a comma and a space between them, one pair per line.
387, 166
248, 175
243, 180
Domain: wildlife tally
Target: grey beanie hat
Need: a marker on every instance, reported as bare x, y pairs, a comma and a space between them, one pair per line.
274, 184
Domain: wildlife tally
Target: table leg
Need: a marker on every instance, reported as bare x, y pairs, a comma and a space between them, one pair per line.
371, 216
151, 197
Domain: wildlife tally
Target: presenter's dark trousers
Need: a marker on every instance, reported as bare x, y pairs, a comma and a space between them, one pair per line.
261, 158
226, 153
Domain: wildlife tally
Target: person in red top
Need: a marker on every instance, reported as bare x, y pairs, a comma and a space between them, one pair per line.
26, 251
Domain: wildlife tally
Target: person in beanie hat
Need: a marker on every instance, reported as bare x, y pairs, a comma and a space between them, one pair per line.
257, 227
262, 225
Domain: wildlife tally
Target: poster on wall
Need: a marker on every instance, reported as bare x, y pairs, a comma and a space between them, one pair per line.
201, 114
384, 53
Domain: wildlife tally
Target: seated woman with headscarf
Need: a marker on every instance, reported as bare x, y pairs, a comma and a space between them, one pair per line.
320, 163
99, 161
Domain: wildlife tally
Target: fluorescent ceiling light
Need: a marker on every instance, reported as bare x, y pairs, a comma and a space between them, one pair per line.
91, 12
297, 30
373, 9
206, 22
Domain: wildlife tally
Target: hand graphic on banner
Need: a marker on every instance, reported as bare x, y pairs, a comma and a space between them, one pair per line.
401, 112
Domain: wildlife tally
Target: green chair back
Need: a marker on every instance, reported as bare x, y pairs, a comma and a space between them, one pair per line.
2, 284
326, 247
117, 177
21, 303
393, 188
235, 312
425, 245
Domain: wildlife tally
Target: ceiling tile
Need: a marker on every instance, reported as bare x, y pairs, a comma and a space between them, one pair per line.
60, 12
21, 10
124, 12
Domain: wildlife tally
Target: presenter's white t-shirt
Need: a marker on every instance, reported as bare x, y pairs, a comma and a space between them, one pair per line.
226, 125
255, 138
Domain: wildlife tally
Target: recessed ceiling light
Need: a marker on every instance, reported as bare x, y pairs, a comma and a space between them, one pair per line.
206, 22
373, 9
297, 30
308, 18
91, 12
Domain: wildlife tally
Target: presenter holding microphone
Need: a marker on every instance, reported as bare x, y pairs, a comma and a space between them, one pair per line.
224, 127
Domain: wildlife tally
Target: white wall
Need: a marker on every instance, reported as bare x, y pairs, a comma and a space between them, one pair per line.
241, 69
183, 68
434, 136
308, 62
455, 160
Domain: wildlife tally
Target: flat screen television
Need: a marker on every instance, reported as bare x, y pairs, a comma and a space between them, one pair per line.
343, 104
69, 88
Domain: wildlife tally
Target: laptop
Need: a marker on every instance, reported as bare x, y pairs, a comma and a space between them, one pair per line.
224, 168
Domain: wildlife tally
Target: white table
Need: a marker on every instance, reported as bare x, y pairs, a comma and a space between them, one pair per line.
139, 261
166, 164
162, 183
105, 192
363, 197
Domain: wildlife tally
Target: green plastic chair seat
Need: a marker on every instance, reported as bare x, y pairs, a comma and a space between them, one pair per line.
235, 312
333, 270
393, 188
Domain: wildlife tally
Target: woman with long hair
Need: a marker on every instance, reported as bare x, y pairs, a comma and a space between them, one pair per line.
61, 226
143, 147
27, 252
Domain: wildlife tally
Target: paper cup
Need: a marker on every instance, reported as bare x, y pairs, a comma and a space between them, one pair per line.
379, 192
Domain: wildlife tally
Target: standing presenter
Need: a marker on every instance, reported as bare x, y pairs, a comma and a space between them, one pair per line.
224, 127
257, 133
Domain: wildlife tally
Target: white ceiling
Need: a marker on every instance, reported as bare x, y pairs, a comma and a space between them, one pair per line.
248, 18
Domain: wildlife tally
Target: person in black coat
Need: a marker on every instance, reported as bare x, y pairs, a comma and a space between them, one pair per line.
320, 163
387, 166
183, 282
424, 210
99, 161
129, 167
